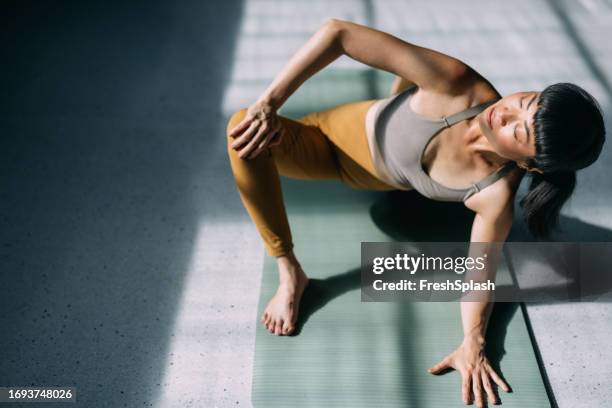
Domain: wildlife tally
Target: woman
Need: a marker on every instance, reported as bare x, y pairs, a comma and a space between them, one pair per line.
483, 146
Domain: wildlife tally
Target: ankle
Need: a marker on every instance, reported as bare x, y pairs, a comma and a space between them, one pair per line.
288, 260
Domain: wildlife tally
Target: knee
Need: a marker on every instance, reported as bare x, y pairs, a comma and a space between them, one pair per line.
234, 120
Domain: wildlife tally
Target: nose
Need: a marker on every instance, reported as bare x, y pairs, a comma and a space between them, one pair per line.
507, 115
503, 117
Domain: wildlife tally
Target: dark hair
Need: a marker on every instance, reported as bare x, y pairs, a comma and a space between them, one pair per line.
569, 135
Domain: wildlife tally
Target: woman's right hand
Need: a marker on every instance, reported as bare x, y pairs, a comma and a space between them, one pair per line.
259, 129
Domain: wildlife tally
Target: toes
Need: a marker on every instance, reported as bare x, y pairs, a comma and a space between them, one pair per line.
287, 328
268, 323
264, 317
278, 327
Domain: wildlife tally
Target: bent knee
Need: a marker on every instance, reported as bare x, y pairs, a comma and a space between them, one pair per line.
235, 119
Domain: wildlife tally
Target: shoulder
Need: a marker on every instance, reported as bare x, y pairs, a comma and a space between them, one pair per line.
496, 200
469, 82
464, 89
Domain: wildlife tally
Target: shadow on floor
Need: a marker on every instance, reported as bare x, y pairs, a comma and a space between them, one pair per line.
410, 217
103, 112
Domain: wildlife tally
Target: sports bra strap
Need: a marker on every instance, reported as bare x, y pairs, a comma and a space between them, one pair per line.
468, 113
493, 177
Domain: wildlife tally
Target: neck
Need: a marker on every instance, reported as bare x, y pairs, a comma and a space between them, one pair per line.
481, 144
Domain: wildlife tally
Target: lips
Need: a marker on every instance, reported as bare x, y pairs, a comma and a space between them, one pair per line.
490, 118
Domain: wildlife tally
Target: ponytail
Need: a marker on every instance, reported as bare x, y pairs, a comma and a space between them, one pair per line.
542, 203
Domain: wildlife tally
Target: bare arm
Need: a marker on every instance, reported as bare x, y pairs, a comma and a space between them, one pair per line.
491, 231
425, 67
260, 128
494, 208
491, 226
318, 52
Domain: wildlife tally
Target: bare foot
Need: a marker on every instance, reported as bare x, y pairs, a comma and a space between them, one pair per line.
281, 313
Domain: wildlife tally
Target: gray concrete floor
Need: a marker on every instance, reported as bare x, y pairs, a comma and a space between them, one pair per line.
129, 267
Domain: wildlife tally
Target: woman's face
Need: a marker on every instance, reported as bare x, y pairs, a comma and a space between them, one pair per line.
508, 125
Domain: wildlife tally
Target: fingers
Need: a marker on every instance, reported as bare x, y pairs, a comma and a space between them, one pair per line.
498, 380
273, 134
442, 365
244, 123
465, 387
262, 146
492, 397
249, 140
250, 148
477, 388
257, 138
476, 377
266, 140
246, 136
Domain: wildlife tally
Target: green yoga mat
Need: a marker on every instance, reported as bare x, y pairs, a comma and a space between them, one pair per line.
352, 354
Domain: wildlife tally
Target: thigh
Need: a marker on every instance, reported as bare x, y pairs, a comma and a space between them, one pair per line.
304, 151
344, 127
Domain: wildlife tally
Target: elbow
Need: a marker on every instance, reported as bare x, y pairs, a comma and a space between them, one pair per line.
333, 25
333, 22
333, 28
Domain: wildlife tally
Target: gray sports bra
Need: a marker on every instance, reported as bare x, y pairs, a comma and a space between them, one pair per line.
398, 137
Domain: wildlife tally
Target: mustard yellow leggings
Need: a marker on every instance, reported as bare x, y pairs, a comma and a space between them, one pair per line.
330, 144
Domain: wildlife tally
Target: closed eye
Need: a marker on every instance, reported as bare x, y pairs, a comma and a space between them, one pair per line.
521, 106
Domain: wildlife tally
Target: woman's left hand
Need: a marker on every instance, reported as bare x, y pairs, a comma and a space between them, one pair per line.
476, 372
